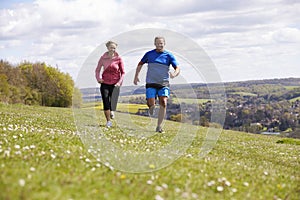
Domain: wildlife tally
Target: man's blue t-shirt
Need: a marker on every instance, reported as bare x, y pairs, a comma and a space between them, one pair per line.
158, 66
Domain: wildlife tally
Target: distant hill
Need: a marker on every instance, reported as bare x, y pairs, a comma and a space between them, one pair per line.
240, 86
276, 81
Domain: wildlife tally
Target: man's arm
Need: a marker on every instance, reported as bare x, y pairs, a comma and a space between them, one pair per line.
137, 72
175, 73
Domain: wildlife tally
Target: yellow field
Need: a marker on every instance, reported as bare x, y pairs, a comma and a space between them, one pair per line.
128, 108
189, 101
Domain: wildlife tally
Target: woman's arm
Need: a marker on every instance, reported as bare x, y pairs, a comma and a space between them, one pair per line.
98, 70
122, 71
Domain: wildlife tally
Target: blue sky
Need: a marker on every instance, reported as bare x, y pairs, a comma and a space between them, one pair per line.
9, 4
246, 40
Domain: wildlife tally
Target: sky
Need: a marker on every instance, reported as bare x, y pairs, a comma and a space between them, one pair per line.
245, 40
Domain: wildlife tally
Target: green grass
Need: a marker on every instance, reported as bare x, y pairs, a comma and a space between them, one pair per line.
295, 99
288, 141
42, 156
291, 87
125, 107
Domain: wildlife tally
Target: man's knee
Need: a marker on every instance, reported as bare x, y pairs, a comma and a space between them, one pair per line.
163, 101
151, 102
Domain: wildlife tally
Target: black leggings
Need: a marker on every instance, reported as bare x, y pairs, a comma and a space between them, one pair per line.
110, 95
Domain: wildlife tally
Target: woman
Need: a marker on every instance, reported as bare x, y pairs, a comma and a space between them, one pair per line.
110, 74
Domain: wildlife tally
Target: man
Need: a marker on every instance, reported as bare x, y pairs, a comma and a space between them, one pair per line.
157, 78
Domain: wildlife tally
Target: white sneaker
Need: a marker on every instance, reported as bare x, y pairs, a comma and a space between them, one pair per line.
112, 114
108, 124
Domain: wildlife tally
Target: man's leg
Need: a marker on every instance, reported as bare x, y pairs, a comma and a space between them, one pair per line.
150, 96
162, 110
163, 95
151, 105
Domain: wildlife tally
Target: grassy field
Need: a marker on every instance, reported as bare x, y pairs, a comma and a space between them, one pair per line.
43, 156
122, 107
127, 108
291, 87
295, 99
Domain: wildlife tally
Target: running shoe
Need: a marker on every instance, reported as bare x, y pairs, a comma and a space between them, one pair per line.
112, 114
108, 124
159, 130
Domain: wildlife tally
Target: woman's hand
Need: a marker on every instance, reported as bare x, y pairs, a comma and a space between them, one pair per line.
100, 81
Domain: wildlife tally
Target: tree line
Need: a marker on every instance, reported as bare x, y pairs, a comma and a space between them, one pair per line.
35, 84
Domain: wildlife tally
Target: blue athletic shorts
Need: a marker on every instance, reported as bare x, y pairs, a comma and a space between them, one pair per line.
154, 92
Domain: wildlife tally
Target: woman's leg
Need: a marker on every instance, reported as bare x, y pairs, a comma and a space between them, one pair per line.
114, 98
106, 100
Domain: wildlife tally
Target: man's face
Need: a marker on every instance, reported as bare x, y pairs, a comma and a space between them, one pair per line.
159, 44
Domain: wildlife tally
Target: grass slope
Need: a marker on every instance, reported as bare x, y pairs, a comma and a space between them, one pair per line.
43, 157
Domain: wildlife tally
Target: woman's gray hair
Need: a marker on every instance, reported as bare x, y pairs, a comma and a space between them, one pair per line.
109, 43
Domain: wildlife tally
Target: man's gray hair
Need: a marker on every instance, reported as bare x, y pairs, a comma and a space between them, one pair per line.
159, 37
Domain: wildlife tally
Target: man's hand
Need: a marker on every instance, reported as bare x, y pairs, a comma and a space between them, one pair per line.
172, 74
175, 73
136, 80
137, 71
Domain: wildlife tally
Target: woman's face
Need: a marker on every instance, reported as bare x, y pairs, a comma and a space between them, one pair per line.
112, 48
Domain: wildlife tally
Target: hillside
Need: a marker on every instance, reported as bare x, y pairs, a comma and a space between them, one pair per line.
258, 106
238, 85
42, 156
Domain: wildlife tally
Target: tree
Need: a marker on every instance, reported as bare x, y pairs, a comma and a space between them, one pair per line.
35, 83
4, 88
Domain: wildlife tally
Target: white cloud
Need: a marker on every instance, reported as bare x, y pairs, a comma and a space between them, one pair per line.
244, 37
287, 35
17, 23
179, 7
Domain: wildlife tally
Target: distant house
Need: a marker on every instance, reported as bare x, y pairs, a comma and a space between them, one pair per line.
270, 133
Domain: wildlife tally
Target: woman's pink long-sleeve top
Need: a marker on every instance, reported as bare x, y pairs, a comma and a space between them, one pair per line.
113, 72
